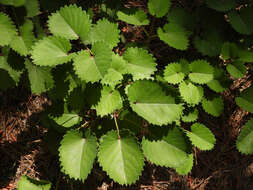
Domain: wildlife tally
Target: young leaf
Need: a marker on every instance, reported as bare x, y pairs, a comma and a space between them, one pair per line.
77, 153
190, 93
158, 8
149, 101
244, 142
8, 30
140, 64
245, 100
70, 22
51, 51
40, 78
201, 72
136, 17
236, 69
105, 31
186, 167
174, 35
221, 5
191, 116
15, 3
174, 73
214, 107
26, 183
201, 136
242, 22
110, 101
169, 152
67, 119
121, 158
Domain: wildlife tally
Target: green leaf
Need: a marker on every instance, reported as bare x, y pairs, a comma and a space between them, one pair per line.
149, 101
186, 167
174, 73
220, 81
70, 22
191, 116
8, 30
236, 69
214, 107
190, 93
201, 72
135, 17
245, 56
201, 136
109, 102
121, 158
93, 69
140, 64
51, 51
244, 142
158, 8
26, 183
15, 3
40, 78
242, 21
32, 8
22, 44
221, 5
105, 31
77, 154
169, 152
245, 100
229, 50
67, 119
174, 35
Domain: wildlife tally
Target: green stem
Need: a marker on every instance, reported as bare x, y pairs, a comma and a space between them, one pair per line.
117, 127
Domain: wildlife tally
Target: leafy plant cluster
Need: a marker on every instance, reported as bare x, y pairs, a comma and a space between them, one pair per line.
114, 101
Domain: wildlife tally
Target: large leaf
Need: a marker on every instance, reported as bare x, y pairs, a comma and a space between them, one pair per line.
245, 100
221, 5
201, 136
77, 153
244, 142
141, 64
16, 3
41, 79
26, 183
51, 51
214, 107
93, 69
110, 101
135, 17
70, 22
158, 8
105, 31
149, 101
121, 158
8, 30
169, 152
174, 35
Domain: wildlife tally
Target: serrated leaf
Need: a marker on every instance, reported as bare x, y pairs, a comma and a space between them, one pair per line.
244, 142
16, 3
22, 44
220, 81
93, 69
169, 152
135, 17
229, 50
26, 183
70, 22
236, 69
186, 167
245, 100
32, 8
77, 154
191, 93
201, 72
158, 8
51, 51
149, 101
109, 102
221, 5
141, 64
121, 158
8, 30
174, 35
191, 116
105, 31
214, 107
67, 119
40, 78
242, 21
173, 73
201, 136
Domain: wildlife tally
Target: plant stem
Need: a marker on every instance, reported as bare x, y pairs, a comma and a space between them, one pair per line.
116, 124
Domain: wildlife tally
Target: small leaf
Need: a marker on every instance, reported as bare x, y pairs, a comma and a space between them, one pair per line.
26, 183
236, 69
135, 17
245, 100
220, 82
201, 136
186, 167
173, 73
158, 8
245, 56
229, 51
32, 8
191, 116
244, 142
67, 119
221, 5
121, 158
8, 30
15, 3
214, 107
77, 154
